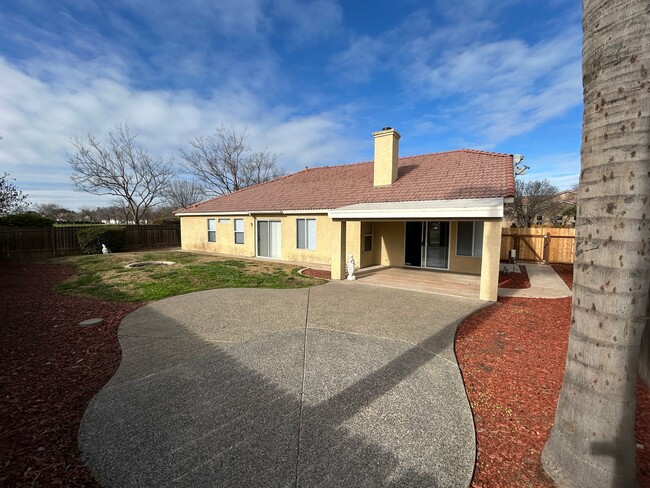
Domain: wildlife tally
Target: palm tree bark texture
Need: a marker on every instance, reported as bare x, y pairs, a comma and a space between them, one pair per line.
592, 441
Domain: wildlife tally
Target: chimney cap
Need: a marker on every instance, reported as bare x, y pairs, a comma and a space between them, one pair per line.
387, 128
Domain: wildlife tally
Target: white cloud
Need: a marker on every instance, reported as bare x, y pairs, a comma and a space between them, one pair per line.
40, 115
562, 170
482, 86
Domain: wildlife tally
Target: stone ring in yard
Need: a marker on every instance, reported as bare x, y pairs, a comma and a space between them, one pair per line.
143, 264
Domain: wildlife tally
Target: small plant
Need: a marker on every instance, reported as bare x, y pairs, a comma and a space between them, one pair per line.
91, 238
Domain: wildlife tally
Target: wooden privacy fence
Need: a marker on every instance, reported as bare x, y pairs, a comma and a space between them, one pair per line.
59, 241
539, 244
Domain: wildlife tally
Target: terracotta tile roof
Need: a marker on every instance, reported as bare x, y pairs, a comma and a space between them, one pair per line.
438, 176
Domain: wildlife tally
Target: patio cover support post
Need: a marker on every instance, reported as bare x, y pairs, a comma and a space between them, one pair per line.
338, 251
490, 261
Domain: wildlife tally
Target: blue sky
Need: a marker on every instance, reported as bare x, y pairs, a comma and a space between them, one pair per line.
310, 80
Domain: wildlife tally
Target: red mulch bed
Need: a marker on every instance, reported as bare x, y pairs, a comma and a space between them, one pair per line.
512, 356
317, 273
50, 368
514, 280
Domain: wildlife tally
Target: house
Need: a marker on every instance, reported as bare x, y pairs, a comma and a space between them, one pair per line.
557, 210
440, 211
561, 210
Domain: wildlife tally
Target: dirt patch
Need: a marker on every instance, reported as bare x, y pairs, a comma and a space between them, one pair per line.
317, 273
50, 368
512, 356
514, 280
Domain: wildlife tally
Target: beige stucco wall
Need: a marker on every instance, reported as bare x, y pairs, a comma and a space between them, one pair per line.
194, 237
490, 262
461, 264
388, 243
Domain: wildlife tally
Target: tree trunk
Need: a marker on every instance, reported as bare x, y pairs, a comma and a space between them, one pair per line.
592, 441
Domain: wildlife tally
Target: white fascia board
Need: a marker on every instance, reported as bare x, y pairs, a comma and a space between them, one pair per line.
322, 211
251, 213
474, 208
208, 214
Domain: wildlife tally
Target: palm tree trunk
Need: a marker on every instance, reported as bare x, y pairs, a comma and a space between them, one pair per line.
592, 441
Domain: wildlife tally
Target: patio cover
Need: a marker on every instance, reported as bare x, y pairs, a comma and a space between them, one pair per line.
471, 208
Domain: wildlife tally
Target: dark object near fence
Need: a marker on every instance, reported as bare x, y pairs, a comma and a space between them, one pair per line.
16, 242
91, 238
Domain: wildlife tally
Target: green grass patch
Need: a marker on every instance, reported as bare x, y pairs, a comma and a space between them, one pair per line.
105, 277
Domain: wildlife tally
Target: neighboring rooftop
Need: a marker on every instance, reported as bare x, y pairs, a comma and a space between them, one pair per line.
448, 175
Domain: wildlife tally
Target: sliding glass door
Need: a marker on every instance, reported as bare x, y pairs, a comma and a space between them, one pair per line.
427, 245
437, 245
269, 238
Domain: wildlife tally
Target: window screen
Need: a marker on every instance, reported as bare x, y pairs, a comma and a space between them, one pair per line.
367, 236
239, 231
469, 241
212, 230
306, 234
465, 237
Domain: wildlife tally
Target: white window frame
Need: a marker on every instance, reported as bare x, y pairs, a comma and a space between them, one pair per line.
472, 255
212, 231
367, 234
309, 246
224, 221
235, 231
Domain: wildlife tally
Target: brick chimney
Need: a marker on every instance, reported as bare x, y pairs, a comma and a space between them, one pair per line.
386, 156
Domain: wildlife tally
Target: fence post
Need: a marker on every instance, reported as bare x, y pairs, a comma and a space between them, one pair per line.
52, 241
547, 243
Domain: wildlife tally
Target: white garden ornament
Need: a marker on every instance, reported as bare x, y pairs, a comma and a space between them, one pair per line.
351, 266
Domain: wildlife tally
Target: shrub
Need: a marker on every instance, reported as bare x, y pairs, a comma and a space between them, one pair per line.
26, 219
91, 238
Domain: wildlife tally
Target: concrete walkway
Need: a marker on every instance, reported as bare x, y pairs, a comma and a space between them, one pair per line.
544, 283
337, 385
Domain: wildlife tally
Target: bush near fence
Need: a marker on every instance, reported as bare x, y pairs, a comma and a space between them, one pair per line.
539, 244
59, 241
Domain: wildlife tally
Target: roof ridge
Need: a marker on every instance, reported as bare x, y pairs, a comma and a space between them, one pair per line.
405, 157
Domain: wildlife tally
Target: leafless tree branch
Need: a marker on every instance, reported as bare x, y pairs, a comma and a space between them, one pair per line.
122, 168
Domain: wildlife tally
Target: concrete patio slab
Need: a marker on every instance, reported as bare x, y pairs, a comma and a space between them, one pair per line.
331, 386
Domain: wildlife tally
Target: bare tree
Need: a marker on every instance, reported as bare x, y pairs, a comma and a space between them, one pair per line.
88, 214
120, 167
55, 212
224, 163
11, 199
592, 441
184, 193
532, 198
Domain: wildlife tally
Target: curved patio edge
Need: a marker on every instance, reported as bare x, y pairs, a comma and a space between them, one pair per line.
248, 386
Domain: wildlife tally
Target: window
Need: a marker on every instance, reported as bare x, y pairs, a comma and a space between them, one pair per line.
470, 239
224, 221
538, 220
306, 233
239, 231
367, 236
212, 230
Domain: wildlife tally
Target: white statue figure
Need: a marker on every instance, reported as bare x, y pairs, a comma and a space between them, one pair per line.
105, 250
351, 266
